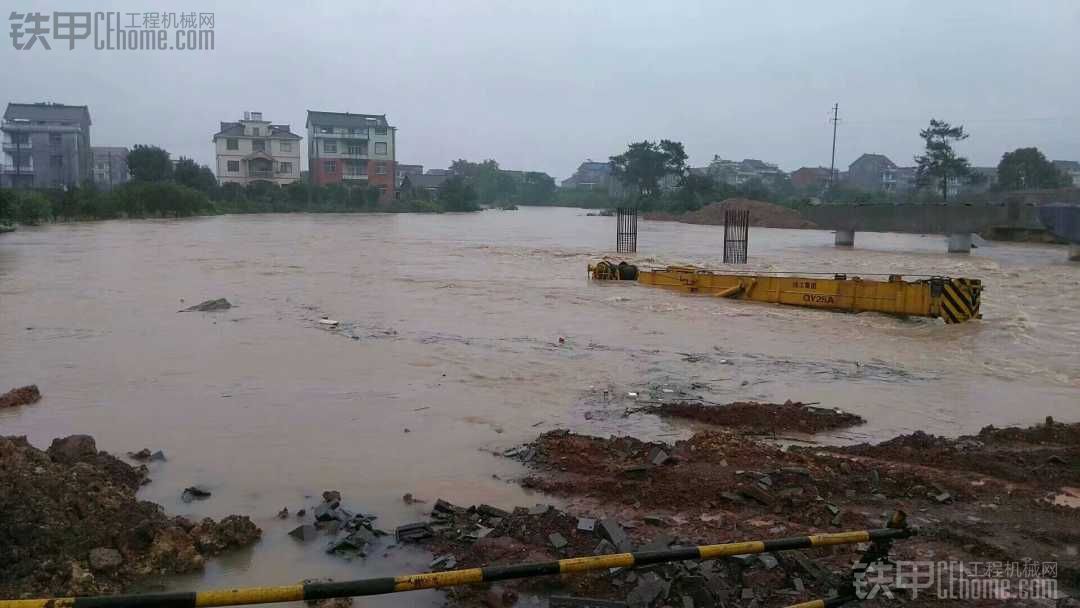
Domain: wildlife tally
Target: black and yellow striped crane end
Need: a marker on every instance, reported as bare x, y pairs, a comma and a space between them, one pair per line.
437, 580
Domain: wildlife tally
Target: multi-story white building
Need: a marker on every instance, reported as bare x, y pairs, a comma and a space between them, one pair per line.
252, 150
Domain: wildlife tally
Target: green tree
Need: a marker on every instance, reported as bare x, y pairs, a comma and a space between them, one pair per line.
149, 164
645, 163
1027, 168
456, 194
189, 173
940, 163
538, 188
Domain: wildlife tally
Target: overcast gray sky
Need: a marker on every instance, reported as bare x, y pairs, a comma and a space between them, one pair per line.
545, 85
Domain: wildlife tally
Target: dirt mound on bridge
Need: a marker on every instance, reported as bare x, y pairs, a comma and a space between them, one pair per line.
766, 215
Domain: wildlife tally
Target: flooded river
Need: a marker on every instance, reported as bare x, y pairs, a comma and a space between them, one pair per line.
448, 350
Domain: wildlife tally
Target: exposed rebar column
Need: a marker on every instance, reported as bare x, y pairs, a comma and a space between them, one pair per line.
960, 242
845, 238
626, 230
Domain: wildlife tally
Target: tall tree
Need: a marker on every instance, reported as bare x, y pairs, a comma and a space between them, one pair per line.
940, 163
149, 164
1026, 168
645, 163
456, 194
538, 188
193, 175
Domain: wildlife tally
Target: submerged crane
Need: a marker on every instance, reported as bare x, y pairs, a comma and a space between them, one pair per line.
953, 300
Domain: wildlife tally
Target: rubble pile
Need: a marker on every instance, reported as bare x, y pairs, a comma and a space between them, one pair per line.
483, 535
70, 523
351, 533
760, 418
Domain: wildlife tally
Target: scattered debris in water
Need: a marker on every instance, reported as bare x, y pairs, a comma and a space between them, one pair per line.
209, 306
24, 395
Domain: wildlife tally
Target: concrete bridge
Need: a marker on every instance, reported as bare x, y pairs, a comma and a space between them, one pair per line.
958, 221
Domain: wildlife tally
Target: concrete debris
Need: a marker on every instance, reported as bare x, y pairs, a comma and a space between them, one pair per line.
305, 532
566, 601
768, 561
195, 493
613, 533
558, 541
209, 306
539, 509
586, 524
490, 511
24, 395
283, 513
443, 562
413, 532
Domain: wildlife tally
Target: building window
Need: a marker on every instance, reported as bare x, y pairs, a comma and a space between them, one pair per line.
358, 131
325, 130
329, 146
358, 149
380, 148
380, 168
233, 166
21, 139
255, 131
55, 139
258, 145
284, 168
380, 130
382, 188
232, 144
286, 146
330, 166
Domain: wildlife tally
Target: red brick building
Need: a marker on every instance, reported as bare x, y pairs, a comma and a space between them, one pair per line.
352, 149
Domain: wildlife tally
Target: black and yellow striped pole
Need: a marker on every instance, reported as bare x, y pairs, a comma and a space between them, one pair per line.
436, 580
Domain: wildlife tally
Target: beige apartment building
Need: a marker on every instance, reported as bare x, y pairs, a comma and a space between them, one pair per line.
253, 149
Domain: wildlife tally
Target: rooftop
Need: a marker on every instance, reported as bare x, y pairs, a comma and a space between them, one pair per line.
47, 111
345, 119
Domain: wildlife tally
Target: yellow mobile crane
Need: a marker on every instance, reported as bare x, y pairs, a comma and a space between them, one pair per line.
954, 300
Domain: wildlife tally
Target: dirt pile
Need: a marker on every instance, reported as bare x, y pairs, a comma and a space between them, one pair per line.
987, 497
24, 395
766, 215
70, 523
760, 418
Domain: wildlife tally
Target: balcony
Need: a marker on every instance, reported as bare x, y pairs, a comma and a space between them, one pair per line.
23, 170
359, 176
13, 147
262, 173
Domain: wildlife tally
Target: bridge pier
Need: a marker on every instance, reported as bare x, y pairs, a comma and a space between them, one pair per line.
960, 242
845, 238
1074, 252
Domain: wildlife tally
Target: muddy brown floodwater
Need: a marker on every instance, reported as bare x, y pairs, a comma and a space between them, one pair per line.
448, 349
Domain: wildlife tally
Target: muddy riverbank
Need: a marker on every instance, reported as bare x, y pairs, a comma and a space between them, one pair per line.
70, 524
625, 494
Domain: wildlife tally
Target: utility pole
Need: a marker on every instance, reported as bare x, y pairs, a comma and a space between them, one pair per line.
832, 163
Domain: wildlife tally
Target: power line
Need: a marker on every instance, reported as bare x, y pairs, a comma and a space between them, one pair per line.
832, 163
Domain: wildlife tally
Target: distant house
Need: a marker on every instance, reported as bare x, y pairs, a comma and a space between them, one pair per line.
873, 173
253, 150
1070, 168
808, 178
401, 170
110, 166
439, 172
737, 173
429, 181
45, 145
590, 175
